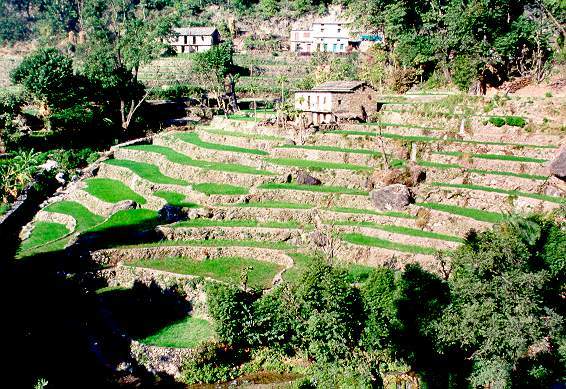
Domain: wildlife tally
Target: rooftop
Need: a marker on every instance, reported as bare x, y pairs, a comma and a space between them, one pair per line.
195, 30
338, 86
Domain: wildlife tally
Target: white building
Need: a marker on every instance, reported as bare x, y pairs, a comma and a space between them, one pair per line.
331, 34
195, 39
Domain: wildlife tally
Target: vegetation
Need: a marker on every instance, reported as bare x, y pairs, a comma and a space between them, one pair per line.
112, 191
271, 204
146, 171
243, 134
198, 223
174, 198
43, 233
259, 273
211, 188
128, 219
312, 188
366, 240
183, 159
85, 219
477, 214
316, 165
501, 157
193, 138
537, 196
186, 333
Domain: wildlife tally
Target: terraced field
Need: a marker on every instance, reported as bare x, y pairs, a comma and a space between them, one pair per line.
248, 221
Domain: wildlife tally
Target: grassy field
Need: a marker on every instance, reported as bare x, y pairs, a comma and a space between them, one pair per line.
43, 233
85, 219
212, 188
360, 211
473, 213
536, 196
316, 165
246, 135
112, 191
217, 243
198, 223
186, 333
312, 188
193, 138
365, 240
270, 204
498, 157
332, 148
132, 218
226, 269
183, 159
400, 230
146, 171
175, 199
445, 166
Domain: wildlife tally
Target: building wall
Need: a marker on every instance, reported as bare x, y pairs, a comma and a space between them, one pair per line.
313, 101
194, 43
331, 37
301, 41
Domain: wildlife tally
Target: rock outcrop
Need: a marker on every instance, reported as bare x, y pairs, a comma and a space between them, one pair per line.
558, 165
392, 197
303, 178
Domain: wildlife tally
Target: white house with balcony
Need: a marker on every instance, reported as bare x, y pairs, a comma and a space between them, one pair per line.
194, 39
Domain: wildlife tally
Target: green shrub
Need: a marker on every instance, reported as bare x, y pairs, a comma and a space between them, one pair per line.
76, 117
497, 121
176, 91
464, 72
515, 121
211, 363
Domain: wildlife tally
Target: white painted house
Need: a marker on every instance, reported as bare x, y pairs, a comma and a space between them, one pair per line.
331, 34
195, 39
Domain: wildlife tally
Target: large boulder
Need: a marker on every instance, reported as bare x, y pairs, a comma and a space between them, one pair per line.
392, 197
558, 165
303, 178
123, 206
172, 214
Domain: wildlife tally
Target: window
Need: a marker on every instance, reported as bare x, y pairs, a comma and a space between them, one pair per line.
324, 100
194, 40
308, 101
334, 47
339, 101
202, 38
339, 30
317, 100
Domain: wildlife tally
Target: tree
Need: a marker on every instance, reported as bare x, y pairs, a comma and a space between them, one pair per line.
505, 311
122, 35
48, 76
216, 69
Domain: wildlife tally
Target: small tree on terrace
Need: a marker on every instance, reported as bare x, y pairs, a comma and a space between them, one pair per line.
216, 70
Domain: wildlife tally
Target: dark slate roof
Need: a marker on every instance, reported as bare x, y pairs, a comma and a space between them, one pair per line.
190, 31
338, 86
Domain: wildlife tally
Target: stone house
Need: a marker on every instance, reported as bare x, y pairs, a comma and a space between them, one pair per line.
336, 101
194, 39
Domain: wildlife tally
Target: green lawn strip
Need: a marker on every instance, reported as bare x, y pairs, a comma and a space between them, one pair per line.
537, 196
4, 208
501, 157
130, 218
400, 230
358, 273
174, 198
401, 125
193, 138
213, 243
301, 263
269, 204
317, 165
111, 191
225, 269
442, 166
212, 188
186, 333
85, 218
331, 148
244, 118
183, 159
246, 135
365, 240
110, 289
146, 171
473, 213
361, 211
42, 234
199, 223
432, 139
313, 188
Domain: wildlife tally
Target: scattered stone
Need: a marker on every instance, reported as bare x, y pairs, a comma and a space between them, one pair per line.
124, 206
60, 178
319, 239
555, 187
558, 165
172, 214
49, 165
418, 174
290, 142
392, 197
304, 178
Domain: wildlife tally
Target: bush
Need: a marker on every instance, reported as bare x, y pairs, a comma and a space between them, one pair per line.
401, 80
77, 117
211, 363
515, 121
497, 121
177, 91
464, 72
